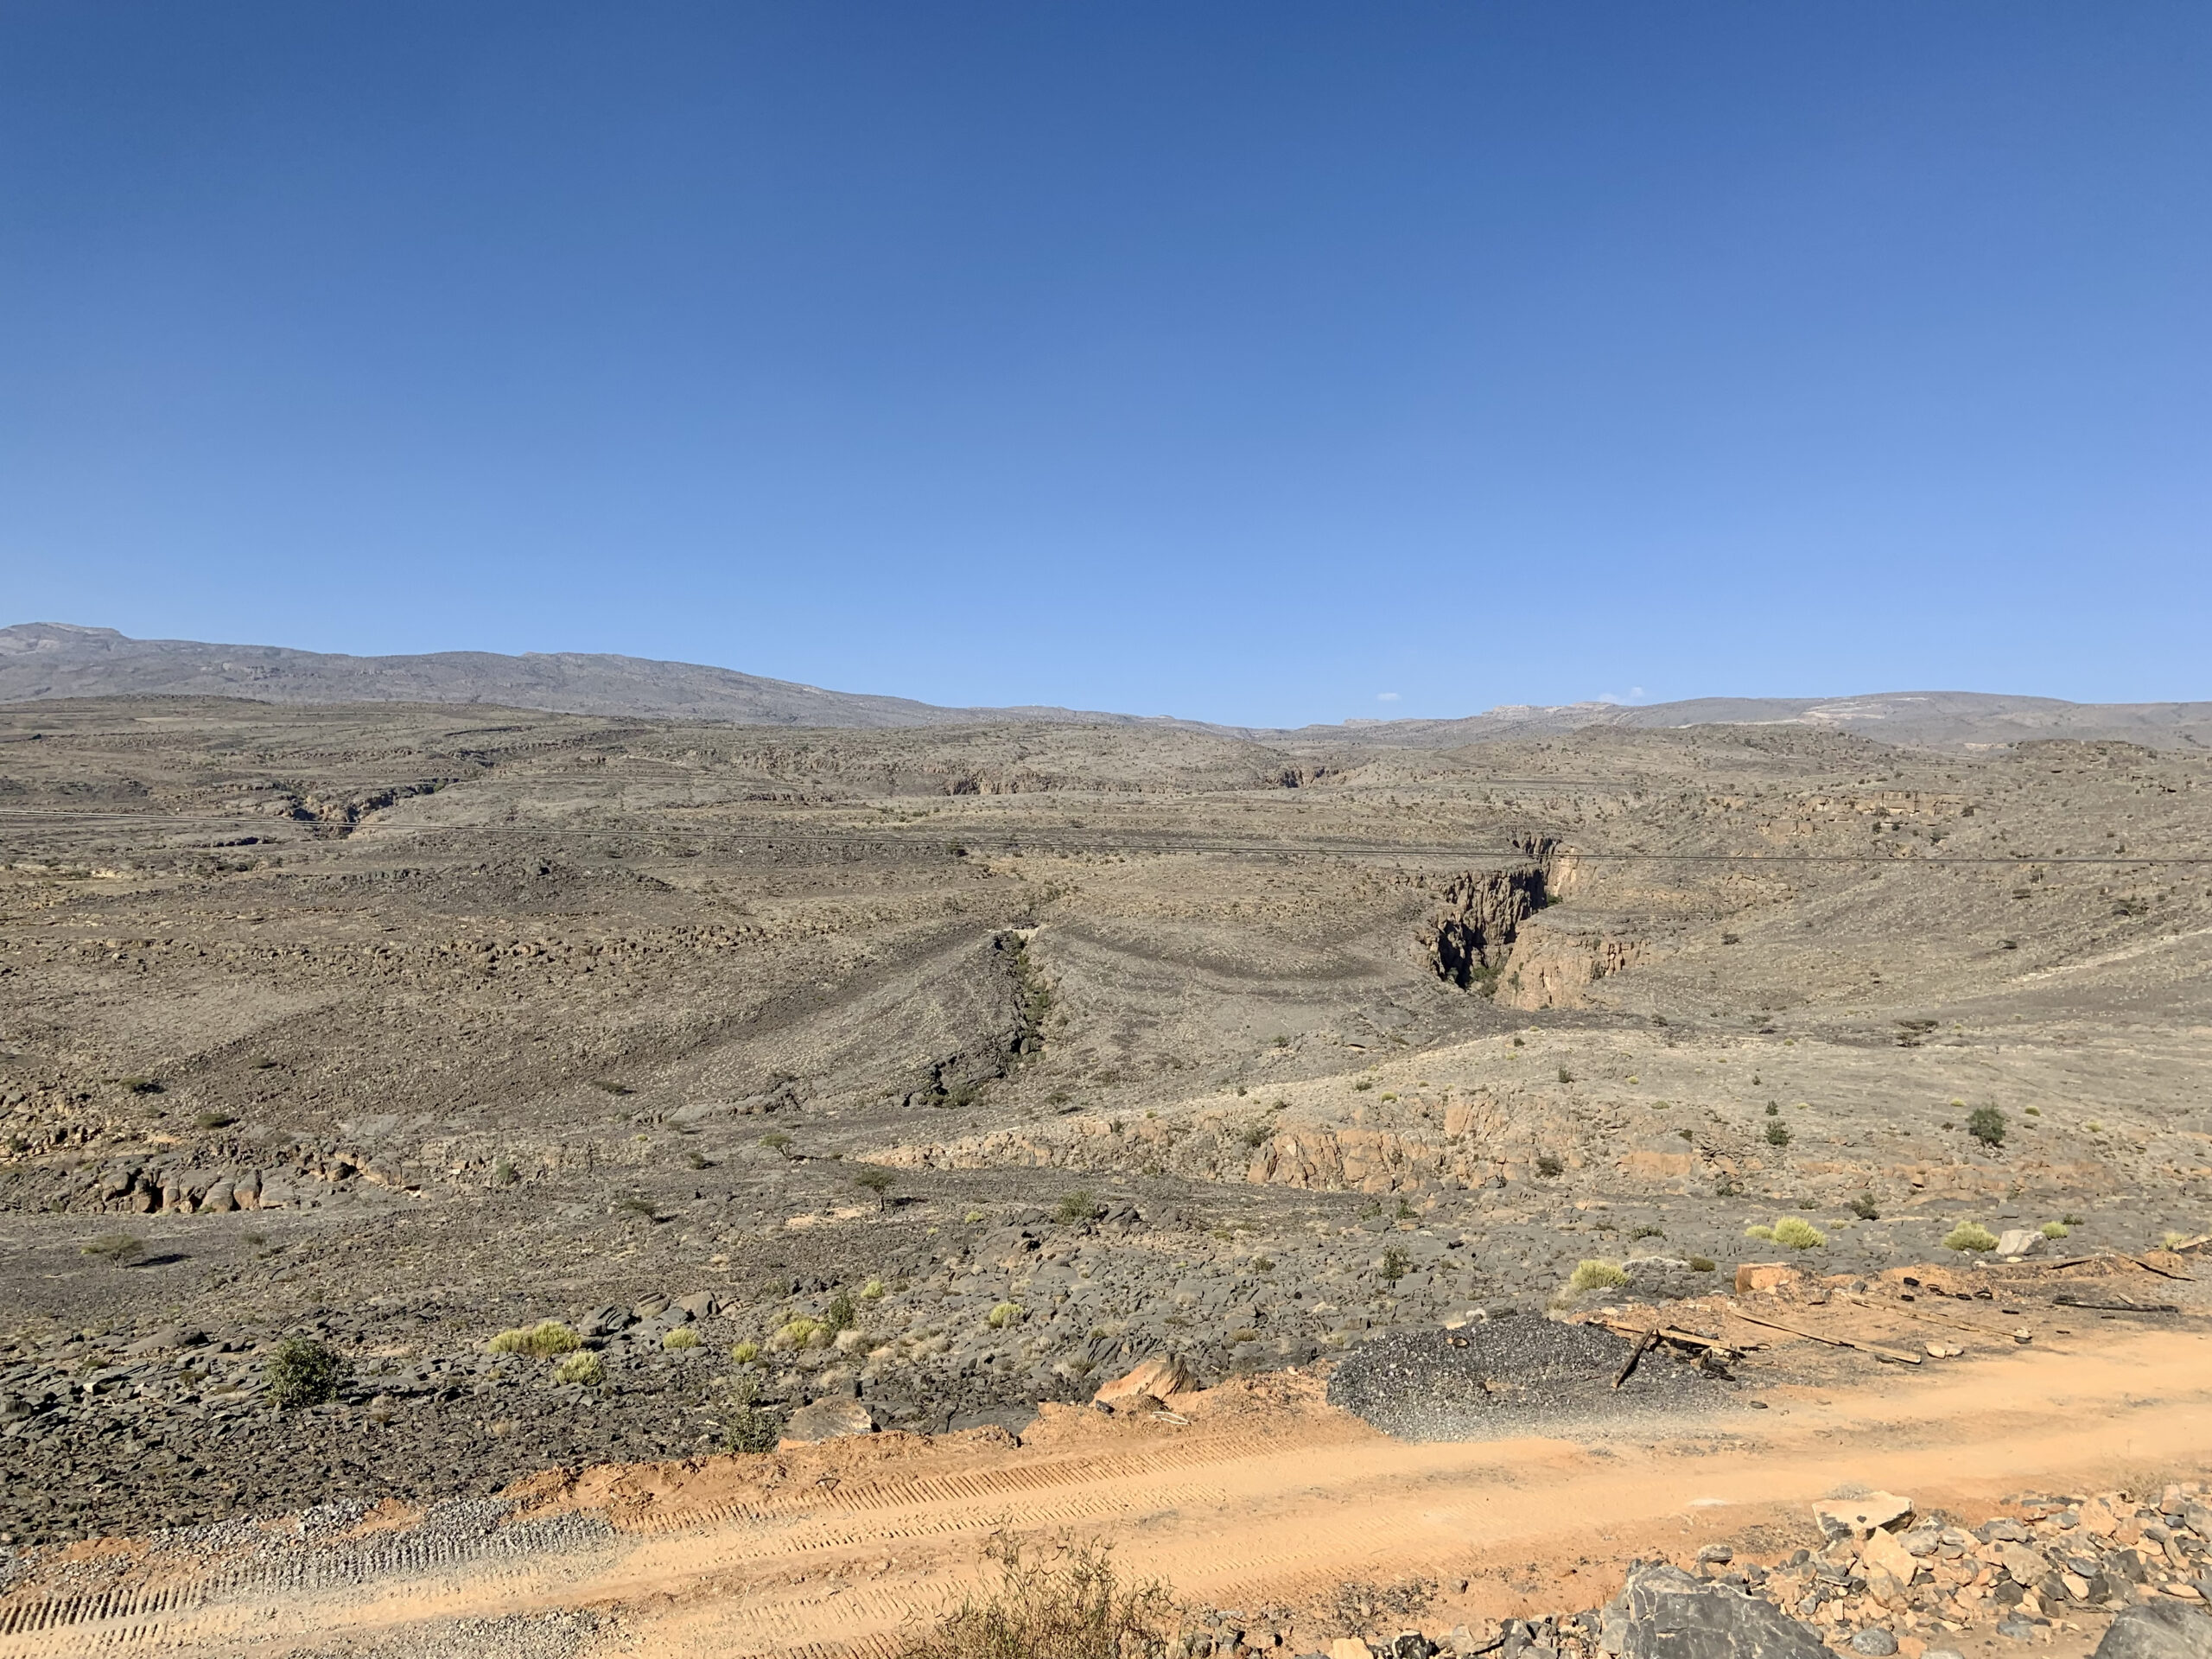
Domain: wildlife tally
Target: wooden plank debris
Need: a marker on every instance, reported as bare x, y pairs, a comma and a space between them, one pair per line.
1895, 1355
2124, 1305
2021, 1335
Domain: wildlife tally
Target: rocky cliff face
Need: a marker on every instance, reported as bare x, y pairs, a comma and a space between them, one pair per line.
1477, 918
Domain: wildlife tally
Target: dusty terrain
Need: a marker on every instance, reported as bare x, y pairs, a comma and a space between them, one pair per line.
400, 1027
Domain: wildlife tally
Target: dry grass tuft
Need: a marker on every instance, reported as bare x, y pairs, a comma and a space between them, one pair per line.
1071, 1606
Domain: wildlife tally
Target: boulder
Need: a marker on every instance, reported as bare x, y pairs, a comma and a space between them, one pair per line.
1764, 1276
2019, 1241
2158, 1630
827, 1419
701, 1304
605, 1321
1855, 1517
1665, 1613
1160, 1376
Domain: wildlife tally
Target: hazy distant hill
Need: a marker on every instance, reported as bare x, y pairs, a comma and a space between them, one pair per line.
1914, 719
40, 660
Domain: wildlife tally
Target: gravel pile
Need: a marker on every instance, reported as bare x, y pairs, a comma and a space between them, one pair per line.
1449, 1385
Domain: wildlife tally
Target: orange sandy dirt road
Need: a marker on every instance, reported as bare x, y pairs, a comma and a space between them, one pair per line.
1266, 1496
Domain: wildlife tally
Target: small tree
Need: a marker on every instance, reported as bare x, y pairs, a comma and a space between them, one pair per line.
1987, 1125
119, 1247
777, 1141
878, 1181
1394, 1266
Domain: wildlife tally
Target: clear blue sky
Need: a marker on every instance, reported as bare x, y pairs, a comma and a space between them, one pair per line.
1249, 361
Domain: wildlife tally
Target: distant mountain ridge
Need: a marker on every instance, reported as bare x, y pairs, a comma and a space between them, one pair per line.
42, 661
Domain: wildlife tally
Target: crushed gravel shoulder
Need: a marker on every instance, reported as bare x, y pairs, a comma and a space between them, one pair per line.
1507, 1375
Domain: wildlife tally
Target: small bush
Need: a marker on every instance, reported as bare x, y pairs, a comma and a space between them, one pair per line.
682, 1336
746, 1352
1762, 1233
543, 1340
142, 1085
777, 1141
118, 1248
1646, 1231
1005, 1315
1079, 1205
1257, 1135
753, 1427
642, 1208
302, 1372
803, 1333
1969, 1236
504, 1174
1777, 1134
839, 1315
1072, 1608
1548, 1167
1361, 1085
972, 1216
1394, 1266
1798, 1234
583, 1366
215, 1120
1595, 1275
2056, 1230
1565, 1075
2173, 1241
1987, 1125
1864, 1208
1702, 1264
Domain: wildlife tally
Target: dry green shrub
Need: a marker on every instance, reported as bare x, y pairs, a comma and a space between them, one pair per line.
1068, 1605
583, 1366
682, 1336
544, 1340
1595, 1275
1970, 1236
801, 1332
118, 1248
1004, 1314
